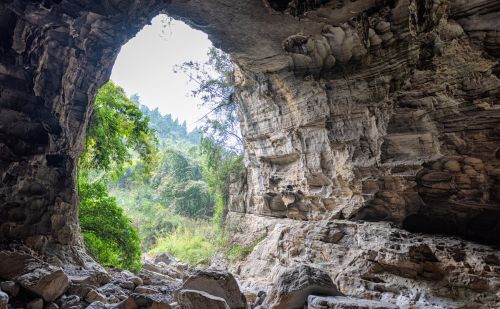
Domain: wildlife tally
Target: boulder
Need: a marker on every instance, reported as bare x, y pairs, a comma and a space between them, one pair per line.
217, 283
146, 290
133, 278
33, 274
35, 304
293, 286
136, 301
166, 258
4, 300
94, 296
342, 302
69, 301
10, 287
96, 305
129, 285
192, 299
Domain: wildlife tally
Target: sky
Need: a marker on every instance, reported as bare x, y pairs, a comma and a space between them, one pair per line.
145, 66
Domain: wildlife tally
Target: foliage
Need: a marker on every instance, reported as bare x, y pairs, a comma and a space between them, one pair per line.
193, 242
117, 128
116, 133
181, 187
215, 87
237, 252
221, 167
176, 185
108, 233
165, 126
188, 172
221, 144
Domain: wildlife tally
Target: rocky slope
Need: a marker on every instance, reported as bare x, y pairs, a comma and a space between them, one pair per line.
366, 122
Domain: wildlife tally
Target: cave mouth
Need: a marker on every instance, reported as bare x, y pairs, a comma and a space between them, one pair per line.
49, 81
279, 5
170, 75
481, 228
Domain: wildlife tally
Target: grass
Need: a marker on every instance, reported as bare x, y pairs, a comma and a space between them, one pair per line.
193, 242
196, 241
237, 252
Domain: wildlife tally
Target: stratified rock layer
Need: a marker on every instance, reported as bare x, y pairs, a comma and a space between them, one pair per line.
392, 115
373, 261
350, 110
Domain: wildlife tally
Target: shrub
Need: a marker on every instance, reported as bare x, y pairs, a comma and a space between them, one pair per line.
108, 234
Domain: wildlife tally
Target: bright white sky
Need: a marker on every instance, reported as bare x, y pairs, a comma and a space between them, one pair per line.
145, 66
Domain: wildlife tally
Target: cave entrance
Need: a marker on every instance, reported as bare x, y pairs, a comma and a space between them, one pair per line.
54, 56
148, 149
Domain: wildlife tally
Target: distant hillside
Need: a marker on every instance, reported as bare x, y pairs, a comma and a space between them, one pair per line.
167, 128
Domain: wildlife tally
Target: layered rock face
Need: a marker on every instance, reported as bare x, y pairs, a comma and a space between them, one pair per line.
352, 112
391, 114
54, 55
388, 113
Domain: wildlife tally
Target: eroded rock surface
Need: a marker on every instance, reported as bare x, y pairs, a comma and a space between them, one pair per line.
342, 302
351, 111
374, 261
194, 299
33, 274
219, 283
293, 286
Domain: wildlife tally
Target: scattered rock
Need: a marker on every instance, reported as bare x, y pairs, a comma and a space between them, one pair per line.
218, 283
43, 279
133, 278
342, 302
10, 287
69, 301
96, 305
129, 285
191, 299
293, 286
144, 301
145, 290
4, 300
94, 296
35, 304
166, 258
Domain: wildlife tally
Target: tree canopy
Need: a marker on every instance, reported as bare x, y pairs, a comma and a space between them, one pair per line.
117, 129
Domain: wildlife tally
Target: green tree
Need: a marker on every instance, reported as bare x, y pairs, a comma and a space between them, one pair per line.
116, 132
117, 129
215, 87
181, 186
221, 144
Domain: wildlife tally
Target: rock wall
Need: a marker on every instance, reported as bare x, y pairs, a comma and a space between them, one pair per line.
388, 115
54, 55
381, 111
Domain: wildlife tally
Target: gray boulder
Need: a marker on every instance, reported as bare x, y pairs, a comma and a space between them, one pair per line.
46, 281
218, 283
192, 299
292, 287
343, 302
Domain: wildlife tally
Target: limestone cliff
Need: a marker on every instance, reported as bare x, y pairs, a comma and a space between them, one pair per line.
366, 122
390, 112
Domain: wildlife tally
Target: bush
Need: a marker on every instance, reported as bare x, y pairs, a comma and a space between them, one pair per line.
108, 234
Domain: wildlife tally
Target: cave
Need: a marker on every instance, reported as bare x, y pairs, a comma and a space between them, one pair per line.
383, 112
